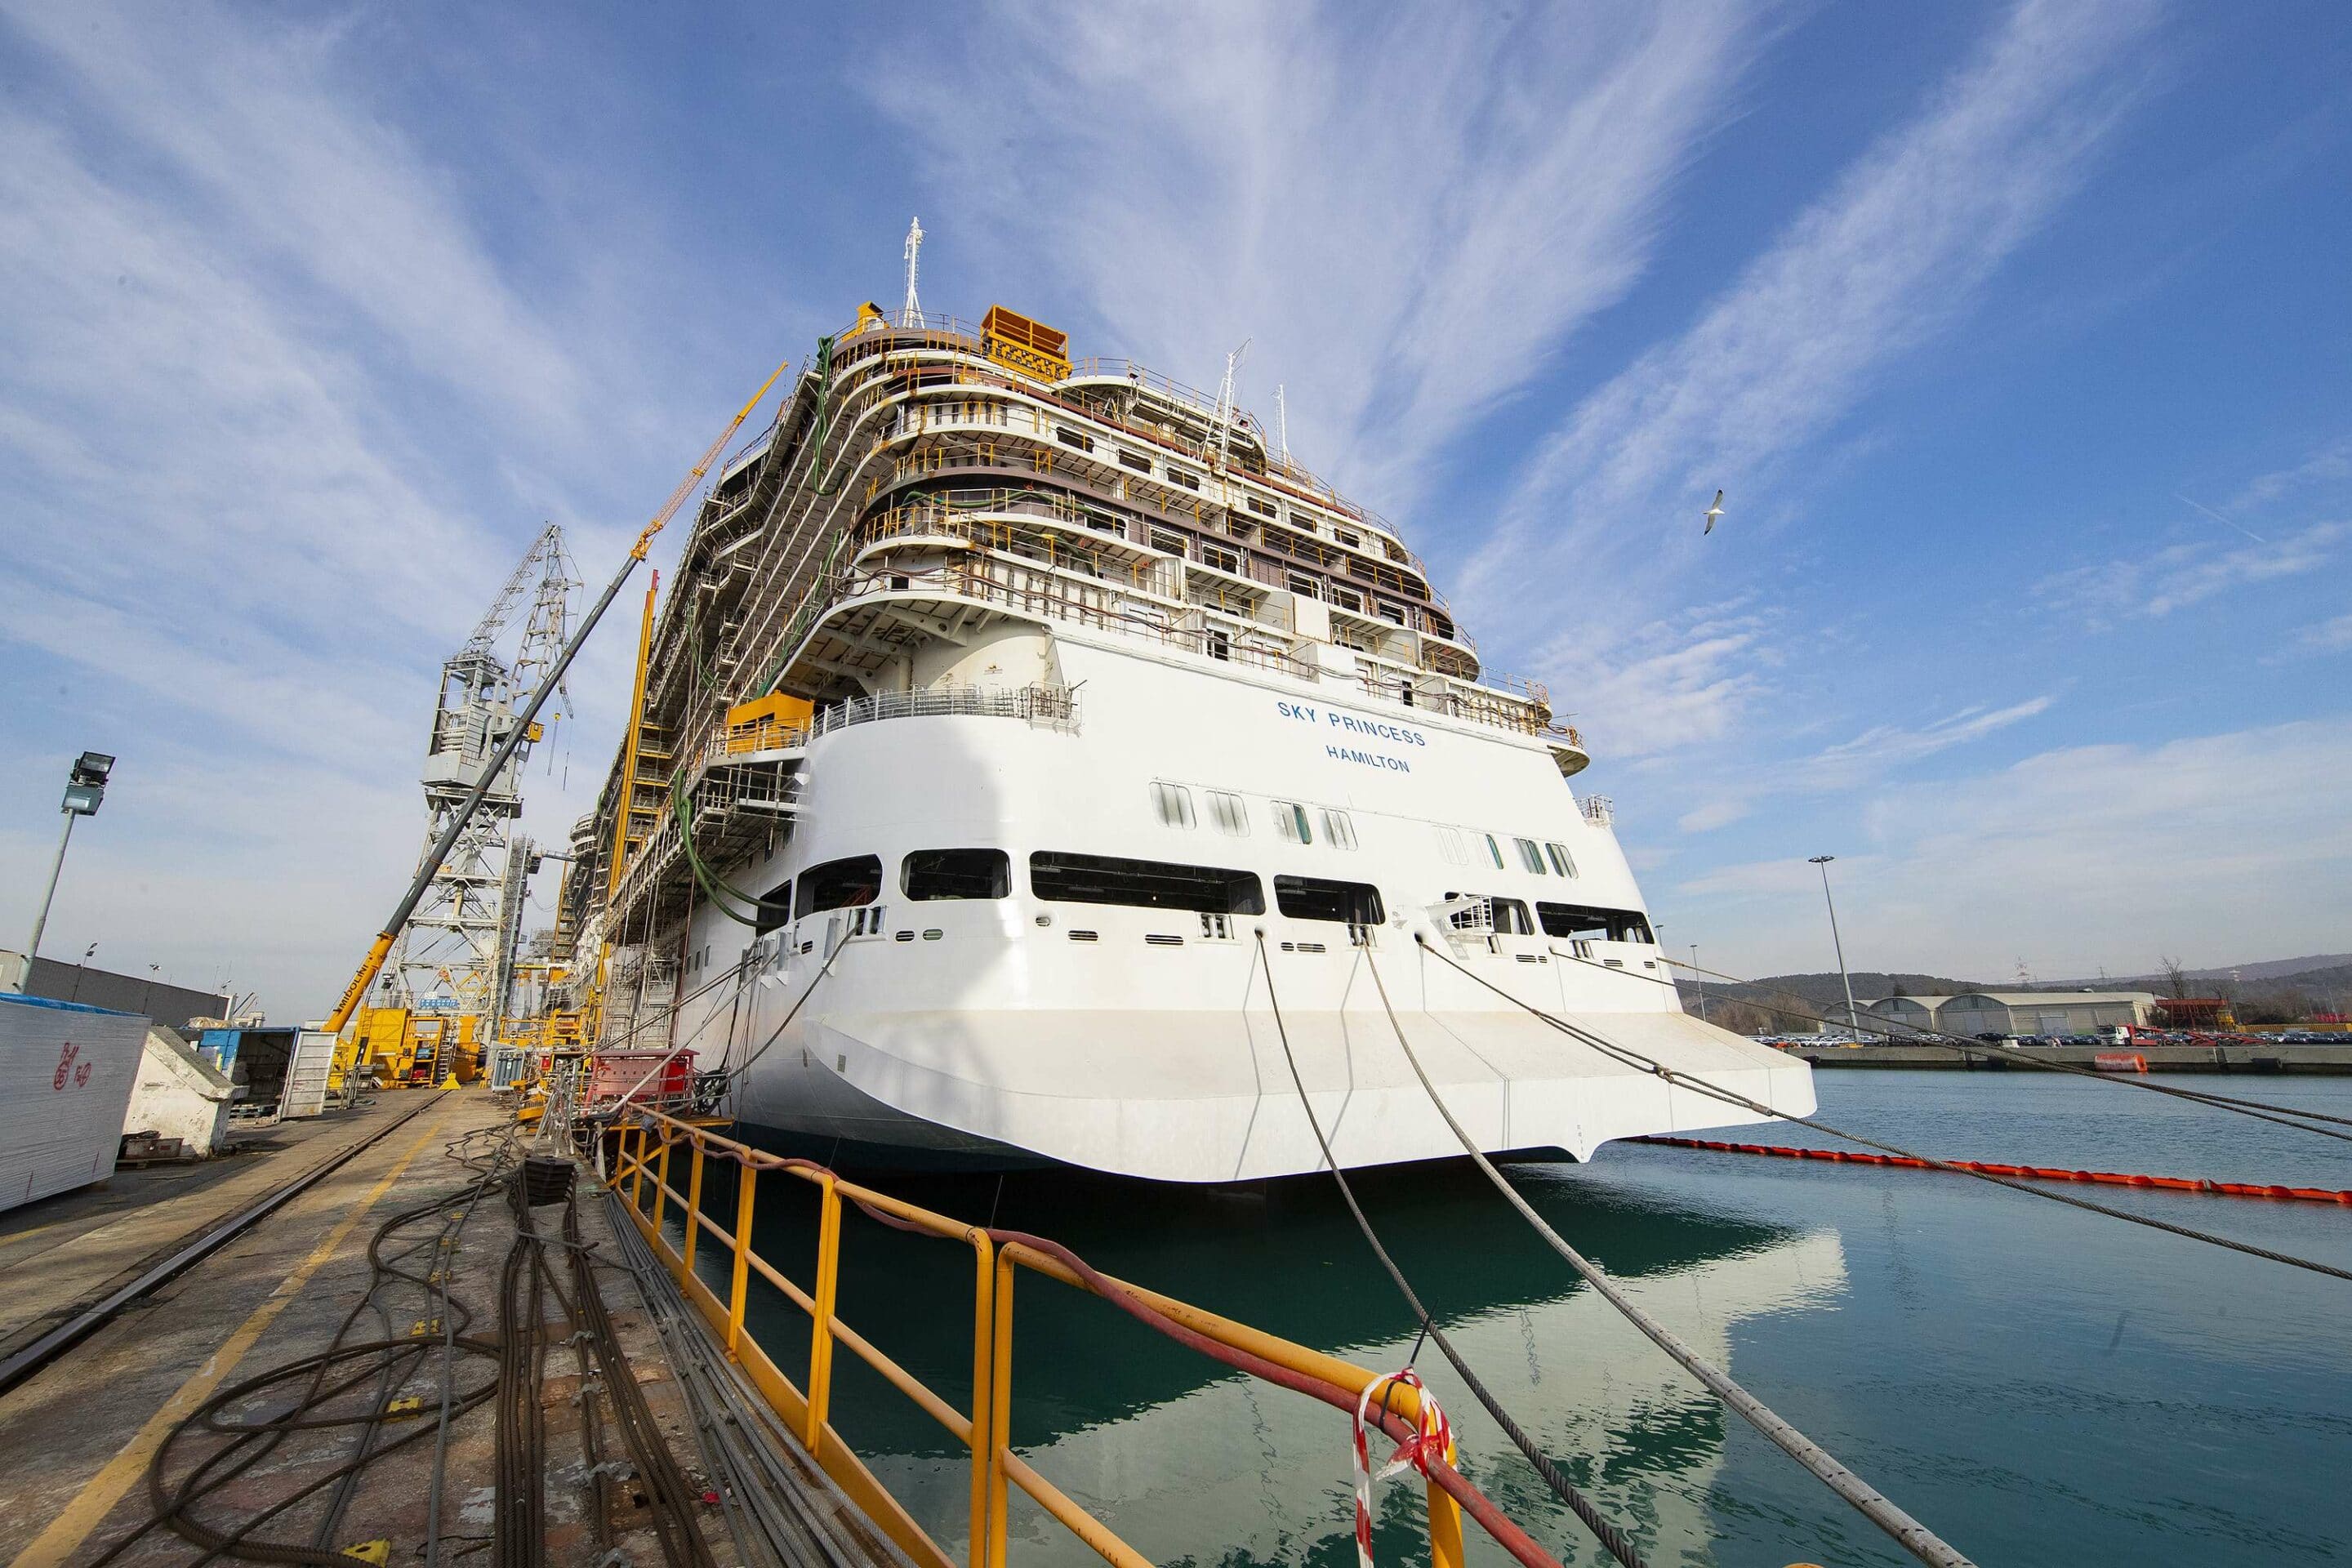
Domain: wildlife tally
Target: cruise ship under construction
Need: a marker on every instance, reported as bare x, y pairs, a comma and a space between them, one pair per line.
1029, 762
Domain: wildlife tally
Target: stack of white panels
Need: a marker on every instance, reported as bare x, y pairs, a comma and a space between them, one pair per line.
66, 1076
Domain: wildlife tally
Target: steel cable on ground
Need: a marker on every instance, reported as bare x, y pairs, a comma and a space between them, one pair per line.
1627, 1055
2010, 1053
249, 1443
1907, 1533
770, 1490
665, 1489
1612, 1538
1506, 1532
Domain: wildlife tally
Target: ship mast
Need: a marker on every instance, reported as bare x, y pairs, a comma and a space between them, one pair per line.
910, 314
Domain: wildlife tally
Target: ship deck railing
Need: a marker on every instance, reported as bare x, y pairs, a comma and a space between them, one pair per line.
953, 334
715, 1266
1039, 704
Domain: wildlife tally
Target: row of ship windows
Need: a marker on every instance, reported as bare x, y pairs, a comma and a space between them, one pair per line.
1303, 583
1057, 876
1173, 803
1079, 440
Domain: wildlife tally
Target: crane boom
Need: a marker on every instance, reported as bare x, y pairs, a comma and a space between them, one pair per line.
373, 964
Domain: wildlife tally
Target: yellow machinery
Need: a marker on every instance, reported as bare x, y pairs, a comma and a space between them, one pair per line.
768, 723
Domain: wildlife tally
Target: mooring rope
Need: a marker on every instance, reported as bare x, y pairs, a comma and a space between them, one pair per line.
1613, 1538
1873, 1504
1627, 1055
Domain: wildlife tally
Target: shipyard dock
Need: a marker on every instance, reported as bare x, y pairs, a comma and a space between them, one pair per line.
2227, 1057
431, 1347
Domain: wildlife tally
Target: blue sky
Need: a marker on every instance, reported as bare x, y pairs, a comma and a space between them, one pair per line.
2017, 336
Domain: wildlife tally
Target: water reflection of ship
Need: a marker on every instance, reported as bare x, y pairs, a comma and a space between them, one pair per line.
1183, 1459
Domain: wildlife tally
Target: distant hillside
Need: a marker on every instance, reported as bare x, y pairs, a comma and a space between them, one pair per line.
2267, 969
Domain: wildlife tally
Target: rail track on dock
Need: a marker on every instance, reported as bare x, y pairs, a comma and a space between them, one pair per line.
30, 1359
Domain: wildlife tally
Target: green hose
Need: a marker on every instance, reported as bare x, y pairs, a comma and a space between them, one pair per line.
714, 887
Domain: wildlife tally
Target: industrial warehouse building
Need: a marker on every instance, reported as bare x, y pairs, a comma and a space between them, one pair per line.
2041, 1011
1909, 1015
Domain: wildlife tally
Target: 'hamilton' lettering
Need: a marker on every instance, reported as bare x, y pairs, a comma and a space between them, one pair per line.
1368, 759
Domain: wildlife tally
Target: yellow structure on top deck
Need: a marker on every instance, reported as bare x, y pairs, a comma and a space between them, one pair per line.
768, 723
1012, 339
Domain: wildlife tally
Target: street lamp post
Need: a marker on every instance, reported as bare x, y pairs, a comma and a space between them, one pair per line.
85, 789
1852, 1018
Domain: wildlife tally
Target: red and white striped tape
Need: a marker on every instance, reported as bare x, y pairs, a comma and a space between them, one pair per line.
1432, 1437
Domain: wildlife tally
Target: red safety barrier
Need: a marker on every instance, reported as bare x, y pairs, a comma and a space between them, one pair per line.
2026, 1173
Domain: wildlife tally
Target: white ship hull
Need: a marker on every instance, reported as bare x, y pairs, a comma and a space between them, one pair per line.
1149, 1042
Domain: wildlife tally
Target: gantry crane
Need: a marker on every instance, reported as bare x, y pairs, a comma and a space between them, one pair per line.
438, 1002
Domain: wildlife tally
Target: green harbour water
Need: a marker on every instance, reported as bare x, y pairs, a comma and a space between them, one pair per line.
2038, 1385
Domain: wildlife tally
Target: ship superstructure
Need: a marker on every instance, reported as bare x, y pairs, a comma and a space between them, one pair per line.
1072, 760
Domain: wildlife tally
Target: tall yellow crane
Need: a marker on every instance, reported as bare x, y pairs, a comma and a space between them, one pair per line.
525, 722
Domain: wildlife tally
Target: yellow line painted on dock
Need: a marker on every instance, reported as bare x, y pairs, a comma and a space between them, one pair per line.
96, 1499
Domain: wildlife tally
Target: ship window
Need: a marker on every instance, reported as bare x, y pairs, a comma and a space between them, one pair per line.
957, 874
1494, 850
1069, 438
838, 884
1530, 855
1262, 508
1315, 898
1345, 598
1220, 645
776, 908
1561, 860
1173, 803
1450, 845
1144, 884
1136, 460
1353, 541
1508, 916
1227, 811
1189, 481
1338, 831
1583, 921
1172, 543
1305, 586
1290, 822
1392, 612
1223, 560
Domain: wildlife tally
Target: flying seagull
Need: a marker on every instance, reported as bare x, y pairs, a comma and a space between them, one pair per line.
1712, 513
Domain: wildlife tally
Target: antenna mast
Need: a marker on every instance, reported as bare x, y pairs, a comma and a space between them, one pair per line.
1226, 410
911, 313
1281, 424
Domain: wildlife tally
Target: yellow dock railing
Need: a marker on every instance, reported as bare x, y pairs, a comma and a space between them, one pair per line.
641, 1156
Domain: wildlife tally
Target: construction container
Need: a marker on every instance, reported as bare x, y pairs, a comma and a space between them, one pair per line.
660, 1078
66, 1076
306, 1076
259, 1062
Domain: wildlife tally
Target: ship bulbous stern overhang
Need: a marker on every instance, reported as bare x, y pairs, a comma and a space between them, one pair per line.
1207, 1097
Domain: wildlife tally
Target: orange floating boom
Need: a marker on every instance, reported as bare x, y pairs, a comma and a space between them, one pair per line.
2029, 1172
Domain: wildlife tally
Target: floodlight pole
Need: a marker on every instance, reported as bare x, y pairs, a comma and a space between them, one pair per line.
1852, 1018
41, 921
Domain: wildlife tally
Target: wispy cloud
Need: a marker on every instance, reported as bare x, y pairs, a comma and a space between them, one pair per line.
1406, 212
258, 373
1854, 766
307, 183
2327, 636
2084, 850
2179, 575
1891, 256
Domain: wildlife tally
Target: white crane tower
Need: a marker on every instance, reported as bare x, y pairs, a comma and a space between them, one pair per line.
457, 953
